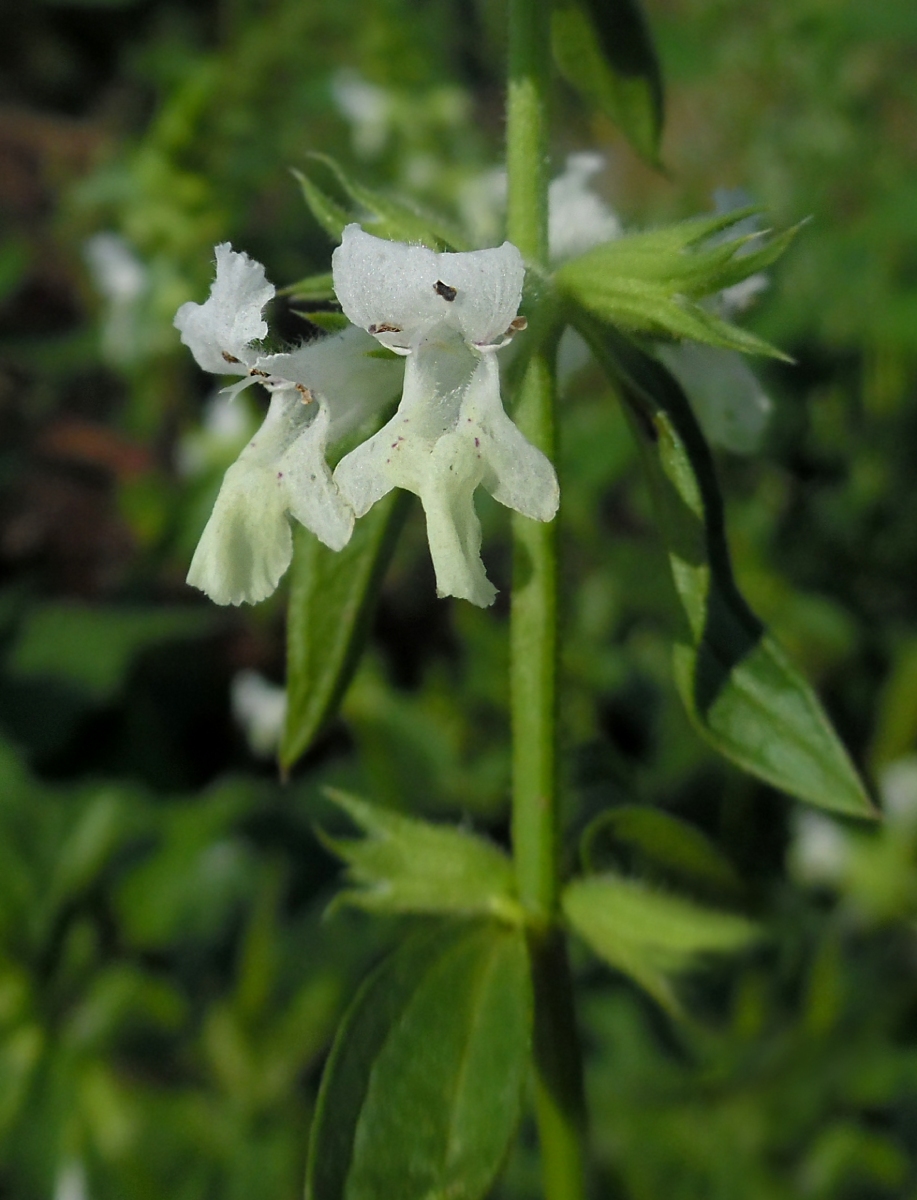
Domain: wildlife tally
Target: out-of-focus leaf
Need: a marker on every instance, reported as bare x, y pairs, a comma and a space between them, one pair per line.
650, 935
604, 49
739, 688
405, 865
332, 594
422, 1091
658, 844
651, 282
94, 646
382, 215
313, 287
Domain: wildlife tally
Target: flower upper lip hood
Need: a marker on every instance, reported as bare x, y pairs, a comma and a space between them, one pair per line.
447, 313
405, 295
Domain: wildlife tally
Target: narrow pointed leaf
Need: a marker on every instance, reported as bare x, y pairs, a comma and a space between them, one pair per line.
396, 218
650, 935
604, 50
403, 865
330, 215
314, 288
422, 1091
658, 846
739, 688
332, 594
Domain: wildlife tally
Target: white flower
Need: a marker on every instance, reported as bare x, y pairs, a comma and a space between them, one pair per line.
318, 392
448, 313
577, 218
260, 708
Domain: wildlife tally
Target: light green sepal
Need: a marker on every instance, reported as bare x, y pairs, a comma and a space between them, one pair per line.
650, 935
403, 865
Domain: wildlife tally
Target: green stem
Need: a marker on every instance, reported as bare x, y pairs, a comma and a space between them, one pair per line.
533, 643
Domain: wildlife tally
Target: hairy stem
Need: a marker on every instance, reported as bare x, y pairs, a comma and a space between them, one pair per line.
558, 1069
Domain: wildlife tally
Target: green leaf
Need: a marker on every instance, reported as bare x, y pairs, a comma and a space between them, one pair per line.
403, 865
658, 846
604, 50
330, 215
93, 647
314, 288
423, 1088
332, 594
650, 935
740, 690
380, 214
650, 282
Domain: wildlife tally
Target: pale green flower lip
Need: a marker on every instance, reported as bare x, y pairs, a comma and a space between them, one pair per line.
447, 313
318, 393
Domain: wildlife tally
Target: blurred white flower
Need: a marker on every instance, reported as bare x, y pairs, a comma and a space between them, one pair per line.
578, 219
448, 313
820, 850
367, 107
122, 280
71, 1182
318, 393
259, 708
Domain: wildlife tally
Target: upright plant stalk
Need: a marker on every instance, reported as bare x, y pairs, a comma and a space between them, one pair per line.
558, 1071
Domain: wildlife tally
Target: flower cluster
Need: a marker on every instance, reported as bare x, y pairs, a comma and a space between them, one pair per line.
446, 315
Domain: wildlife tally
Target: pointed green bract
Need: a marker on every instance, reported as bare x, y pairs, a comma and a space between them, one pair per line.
604, 50
422, 1091
403, 865
332, 594
651, 282
384, 216
739, 688
650, 935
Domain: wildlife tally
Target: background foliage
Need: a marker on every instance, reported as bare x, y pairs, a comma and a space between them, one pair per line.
168, 985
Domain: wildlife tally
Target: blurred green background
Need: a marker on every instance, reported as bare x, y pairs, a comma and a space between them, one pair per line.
168, 984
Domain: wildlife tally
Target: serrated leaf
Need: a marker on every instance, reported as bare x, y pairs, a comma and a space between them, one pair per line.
659, 846
650, 282
650, 935
740, 690
604, 50
332, 594
403, 865
423, 1087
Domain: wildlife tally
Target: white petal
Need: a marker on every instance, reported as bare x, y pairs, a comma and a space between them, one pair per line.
435, 380
513, 470
246, 545
312, 497
407, 294
230, 319
346, 371
453, 528
730, 404
578, 219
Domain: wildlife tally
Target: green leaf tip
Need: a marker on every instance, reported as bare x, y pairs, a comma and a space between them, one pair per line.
604, 50
423, 1088
650, 935
652, 282
741, 692
393, 217
405, 865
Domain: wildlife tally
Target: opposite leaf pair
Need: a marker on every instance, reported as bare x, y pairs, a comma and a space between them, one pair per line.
448, 314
